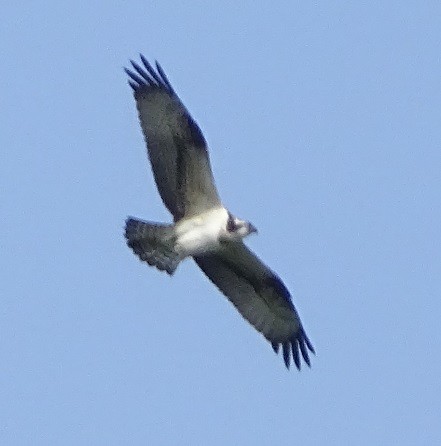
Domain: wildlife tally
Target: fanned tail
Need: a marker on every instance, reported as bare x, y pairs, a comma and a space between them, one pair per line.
153, 243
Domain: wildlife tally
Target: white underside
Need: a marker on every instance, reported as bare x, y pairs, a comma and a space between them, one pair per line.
199, 235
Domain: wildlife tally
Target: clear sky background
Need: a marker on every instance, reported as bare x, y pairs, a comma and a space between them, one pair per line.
323, 122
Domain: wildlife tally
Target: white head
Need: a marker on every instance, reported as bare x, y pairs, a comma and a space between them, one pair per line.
237, 228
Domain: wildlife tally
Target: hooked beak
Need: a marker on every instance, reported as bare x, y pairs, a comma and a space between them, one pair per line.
251, 228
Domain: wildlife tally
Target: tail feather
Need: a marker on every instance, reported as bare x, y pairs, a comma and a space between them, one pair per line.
153, 243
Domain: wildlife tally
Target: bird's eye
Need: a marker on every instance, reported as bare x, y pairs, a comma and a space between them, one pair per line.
231, 226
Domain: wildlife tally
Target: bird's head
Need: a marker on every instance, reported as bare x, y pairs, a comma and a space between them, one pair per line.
237, 228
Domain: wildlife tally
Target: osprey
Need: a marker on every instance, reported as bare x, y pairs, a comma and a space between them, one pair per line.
203, 228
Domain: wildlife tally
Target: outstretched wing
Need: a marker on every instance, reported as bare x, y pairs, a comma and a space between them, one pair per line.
260, 297
176, 147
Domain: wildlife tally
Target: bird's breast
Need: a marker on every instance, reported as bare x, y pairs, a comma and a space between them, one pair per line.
200, 234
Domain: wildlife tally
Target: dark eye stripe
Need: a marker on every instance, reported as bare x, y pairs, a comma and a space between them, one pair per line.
231, 227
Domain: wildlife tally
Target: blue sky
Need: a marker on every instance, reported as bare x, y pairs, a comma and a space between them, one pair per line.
323, 122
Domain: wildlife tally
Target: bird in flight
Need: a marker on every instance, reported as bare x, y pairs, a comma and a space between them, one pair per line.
203, 228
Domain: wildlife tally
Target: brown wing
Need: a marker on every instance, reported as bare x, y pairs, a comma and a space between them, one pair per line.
260, 297
176, 147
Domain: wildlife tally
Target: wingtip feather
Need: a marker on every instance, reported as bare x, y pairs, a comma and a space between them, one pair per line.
133, 86
308, 344
304, 352
134, 77
286, 354
297, 348
141, 72
295, 353
146, 75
